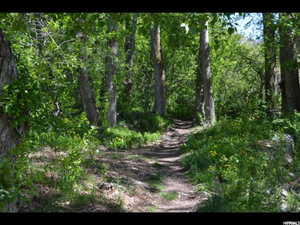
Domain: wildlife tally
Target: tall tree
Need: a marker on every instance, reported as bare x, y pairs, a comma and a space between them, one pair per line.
270, 60
204, 98
111, 70
288, 66
85, 89
8, 74
10, 135
129, 50
159, 70
88, 97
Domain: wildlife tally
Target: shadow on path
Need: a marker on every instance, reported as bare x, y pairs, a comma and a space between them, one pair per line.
157, 174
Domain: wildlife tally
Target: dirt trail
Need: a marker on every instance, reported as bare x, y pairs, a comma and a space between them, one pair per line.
156, 173
168, 154
144, 179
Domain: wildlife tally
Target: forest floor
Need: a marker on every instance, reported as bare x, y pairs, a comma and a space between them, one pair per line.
144, 179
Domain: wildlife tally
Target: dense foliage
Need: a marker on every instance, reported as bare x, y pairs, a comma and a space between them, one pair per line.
70, 64
230, 152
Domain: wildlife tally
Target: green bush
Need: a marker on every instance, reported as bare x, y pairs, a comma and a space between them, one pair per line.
183, 109
227, 162
124, 138
290, 125
7, 181
71, 170
145, 121
18, 177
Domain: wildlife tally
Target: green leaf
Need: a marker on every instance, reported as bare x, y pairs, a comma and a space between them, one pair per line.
231, 30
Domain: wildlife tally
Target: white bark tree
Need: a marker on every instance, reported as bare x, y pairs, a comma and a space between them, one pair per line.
204, 98
111, 70
159, 71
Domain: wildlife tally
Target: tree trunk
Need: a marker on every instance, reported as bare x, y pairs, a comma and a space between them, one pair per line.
129, 50
270, 61
9, 135
8, 73
199, 90
85, 89
159, 71
111, 69
204, 97
77, 106
88, 98
288, 68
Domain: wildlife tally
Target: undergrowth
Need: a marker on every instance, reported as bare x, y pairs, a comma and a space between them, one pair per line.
227, 162
124, 138
135, 129
74, 146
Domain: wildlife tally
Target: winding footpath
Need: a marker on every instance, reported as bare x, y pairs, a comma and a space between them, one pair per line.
166, 157
144, 179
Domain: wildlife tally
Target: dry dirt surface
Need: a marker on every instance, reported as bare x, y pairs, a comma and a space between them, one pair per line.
154, 175
144, 179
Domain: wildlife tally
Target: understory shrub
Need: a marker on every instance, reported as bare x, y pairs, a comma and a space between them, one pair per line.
124, 138
19, 177
228, 163
145, 121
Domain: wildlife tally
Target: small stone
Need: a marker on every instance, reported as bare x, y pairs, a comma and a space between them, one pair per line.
292, 175
102, 148
269, 191
105, 186
284, 192
288, 158
284, 207
275, 138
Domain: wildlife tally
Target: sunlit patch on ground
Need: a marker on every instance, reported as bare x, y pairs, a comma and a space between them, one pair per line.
144, 179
